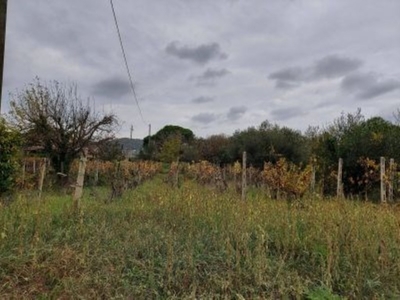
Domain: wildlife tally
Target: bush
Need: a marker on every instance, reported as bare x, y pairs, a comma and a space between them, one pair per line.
9, 149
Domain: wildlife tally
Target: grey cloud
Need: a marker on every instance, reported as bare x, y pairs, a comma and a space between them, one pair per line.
380, 88
288, 74
333, 66
200, 54
284, 85
286, 113
210, 76
204, 118
368, 85
202, 99
111, 88
355, 82
260, 37
87, 48
236, 112
289, 78
213, 73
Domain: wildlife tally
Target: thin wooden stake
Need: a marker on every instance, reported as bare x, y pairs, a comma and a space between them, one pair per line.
42, 175
244, 178
383, 183
96, 174
23, 174
339, 190
312, 185
391, 179
176, 179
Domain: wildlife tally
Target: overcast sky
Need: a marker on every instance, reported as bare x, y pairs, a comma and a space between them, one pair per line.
213, 66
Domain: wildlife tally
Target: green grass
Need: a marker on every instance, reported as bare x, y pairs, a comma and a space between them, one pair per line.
163, 243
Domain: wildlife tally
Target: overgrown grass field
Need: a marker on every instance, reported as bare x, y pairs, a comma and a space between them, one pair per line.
158, 242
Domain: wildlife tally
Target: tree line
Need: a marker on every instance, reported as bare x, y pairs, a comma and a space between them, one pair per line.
358, 140
53, 118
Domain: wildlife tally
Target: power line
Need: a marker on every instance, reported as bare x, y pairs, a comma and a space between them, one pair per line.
126, 61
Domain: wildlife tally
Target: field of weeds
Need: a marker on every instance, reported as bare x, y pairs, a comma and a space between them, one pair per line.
192, 242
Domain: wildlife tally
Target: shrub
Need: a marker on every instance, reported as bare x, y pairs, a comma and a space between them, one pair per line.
9, 149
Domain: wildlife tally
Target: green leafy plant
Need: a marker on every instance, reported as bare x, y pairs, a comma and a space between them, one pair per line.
9, 149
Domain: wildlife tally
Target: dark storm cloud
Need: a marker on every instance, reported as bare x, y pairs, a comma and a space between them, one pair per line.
368, 85
200, 54
286, 113
209, 76
204, 118
236, 112
111, 88
331, 66
202, 99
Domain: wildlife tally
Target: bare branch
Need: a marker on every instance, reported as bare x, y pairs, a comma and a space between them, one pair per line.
55, 116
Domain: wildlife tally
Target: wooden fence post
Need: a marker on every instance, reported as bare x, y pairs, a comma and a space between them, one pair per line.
176, 175
383, 183
23, 174
312, 185
391, 179
244, 179
96, 174
42, 174
79, 183
339, 190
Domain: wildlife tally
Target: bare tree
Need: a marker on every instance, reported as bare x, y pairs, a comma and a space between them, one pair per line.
396, 116
54, 116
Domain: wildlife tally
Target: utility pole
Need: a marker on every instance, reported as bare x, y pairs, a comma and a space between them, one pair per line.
3, 19
149, 150
131, 130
